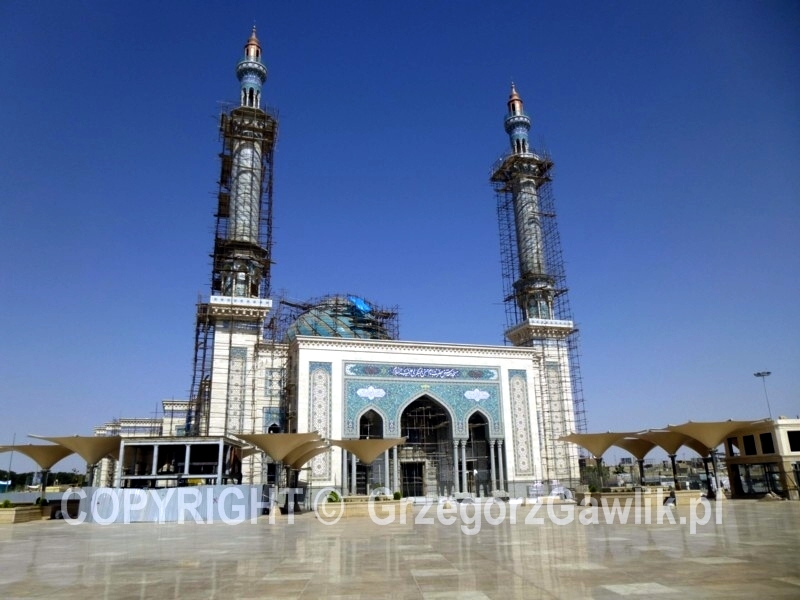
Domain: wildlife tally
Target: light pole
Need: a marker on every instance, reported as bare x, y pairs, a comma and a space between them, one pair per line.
763, 375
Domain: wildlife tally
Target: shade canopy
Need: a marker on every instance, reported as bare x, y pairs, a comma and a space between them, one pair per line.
90, 448
303, 449
596, 443
368, 450
43, 455
710, 433
298, 463
278, 445
638, 447
670, 441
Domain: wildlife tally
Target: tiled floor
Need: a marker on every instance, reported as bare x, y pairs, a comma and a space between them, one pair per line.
753, 553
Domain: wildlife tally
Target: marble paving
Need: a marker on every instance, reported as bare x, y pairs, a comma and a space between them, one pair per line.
753, 553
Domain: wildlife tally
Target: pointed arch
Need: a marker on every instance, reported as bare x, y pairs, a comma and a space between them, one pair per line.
371, 424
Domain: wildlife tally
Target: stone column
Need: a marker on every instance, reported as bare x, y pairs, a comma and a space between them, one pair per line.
353, 474
120, 463
386, 479
500, 459
220, 466
344, 472
455, 467
463, 465
492, 465
396, 469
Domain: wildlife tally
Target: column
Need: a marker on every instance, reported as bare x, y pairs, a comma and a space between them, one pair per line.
492, 465
386, 479
396, 470
219, 462
352, 474
344, 472
500, 460
155, 460
455, 467
463, 465
186, 459
120, 463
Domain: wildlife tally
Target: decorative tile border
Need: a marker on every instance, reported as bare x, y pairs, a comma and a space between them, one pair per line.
520, 417
237, 375
319, 418
419, 371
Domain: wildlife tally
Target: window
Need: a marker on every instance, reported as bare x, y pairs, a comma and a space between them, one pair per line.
749, 445
733, 446
794, 440
767, 447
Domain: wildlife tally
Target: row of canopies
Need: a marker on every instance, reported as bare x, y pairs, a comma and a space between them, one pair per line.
296, 449
701, 436
292, 449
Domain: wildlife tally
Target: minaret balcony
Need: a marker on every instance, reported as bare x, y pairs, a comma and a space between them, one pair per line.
239, 307
539, 329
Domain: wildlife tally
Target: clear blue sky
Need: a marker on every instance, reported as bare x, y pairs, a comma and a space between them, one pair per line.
675, 128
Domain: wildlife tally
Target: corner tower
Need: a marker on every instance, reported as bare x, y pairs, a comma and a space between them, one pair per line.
535, 291
230, 321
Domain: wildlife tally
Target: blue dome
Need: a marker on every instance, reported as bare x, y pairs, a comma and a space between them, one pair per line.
341, 317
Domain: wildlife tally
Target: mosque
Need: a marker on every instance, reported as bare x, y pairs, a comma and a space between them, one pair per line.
476, 419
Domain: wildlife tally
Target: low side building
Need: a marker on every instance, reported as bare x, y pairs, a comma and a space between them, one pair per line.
764, 458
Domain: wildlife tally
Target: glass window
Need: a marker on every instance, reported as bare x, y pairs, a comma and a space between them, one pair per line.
749, 442
767, 447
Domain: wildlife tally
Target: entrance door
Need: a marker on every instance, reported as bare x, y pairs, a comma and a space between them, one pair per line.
412, 474
471, 483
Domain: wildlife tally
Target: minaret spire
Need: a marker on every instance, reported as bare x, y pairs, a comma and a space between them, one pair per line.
251, 72
517, 123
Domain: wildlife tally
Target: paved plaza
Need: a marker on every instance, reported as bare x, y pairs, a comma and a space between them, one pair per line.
753, 553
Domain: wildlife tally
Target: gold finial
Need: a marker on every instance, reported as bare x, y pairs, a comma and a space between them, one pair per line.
514, 95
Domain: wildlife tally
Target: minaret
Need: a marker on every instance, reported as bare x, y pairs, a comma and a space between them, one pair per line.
522, 174
230, 322
537, 308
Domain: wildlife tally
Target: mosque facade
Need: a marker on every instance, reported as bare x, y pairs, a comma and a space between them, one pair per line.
477, 419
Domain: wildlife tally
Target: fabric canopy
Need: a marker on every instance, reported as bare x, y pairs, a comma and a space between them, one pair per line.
44, 455
298, 463
636, 446
368, 450
670, 441
596, 443
303, 449
710, 433
278, 445
91, 448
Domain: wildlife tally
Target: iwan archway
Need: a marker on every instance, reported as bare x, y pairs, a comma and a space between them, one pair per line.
427, 466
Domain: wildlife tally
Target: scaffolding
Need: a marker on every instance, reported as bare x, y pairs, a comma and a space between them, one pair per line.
241, 258
340, 315
426, 459
554, 415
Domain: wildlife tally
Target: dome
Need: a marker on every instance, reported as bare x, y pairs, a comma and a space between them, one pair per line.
341, 317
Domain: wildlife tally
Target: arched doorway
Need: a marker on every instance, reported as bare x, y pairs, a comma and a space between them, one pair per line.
426, 459
370, 426
477, 453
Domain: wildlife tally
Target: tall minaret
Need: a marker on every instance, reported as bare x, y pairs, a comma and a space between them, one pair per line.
535, 290
230, 322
